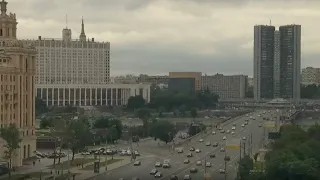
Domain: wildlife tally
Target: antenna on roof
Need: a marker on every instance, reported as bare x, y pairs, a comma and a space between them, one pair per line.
66, 21
270, 21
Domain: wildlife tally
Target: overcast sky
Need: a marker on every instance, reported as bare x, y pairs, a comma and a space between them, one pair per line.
158, 36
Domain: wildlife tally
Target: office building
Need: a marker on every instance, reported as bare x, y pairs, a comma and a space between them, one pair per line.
17, 81
91, 94
182, 85
310, 75
72, 61
196, 75
290, 62
263, 73
227, 87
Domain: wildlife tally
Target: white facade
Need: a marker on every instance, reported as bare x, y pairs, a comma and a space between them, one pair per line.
310, 76
227, 87
67, 61
91, 94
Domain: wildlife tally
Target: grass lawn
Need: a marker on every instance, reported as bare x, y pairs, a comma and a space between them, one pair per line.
64, 165
32, 175
110, 161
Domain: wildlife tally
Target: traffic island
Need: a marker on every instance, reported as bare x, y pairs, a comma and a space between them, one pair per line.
77, 162
90, 167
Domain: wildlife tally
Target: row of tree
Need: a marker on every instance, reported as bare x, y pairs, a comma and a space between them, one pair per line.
294, 156
166, 100
307, 91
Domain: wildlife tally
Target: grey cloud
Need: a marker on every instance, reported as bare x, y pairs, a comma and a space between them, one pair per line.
171, 38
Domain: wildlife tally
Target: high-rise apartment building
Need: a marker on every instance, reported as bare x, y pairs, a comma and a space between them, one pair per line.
290, 62
310, 75
68, 61
17, 81
277, 62
263, 74
276, 65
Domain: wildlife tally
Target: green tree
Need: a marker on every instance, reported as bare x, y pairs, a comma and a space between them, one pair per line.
161, 109
40, 106
78, 135
108, 122
249, 92
11, 136
46, 123
309, 91
245, 166
136, 102
193, 113
196, 128
163, 130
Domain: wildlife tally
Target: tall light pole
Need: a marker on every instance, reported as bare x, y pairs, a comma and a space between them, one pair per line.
106, 157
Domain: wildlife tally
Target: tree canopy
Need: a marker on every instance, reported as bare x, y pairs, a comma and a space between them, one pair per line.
11, 136
294, 156
163, 130
310, 91
173, 100
136, 102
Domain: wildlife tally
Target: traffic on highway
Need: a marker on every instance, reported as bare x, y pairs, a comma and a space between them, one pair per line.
212, 154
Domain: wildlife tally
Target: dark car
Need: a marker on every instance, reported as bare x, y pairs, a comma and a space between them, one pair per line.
212, 155
174, 177
153, 171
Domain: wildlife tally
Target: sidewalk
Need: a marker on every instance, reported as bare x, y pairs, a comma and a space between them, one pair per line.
88, 174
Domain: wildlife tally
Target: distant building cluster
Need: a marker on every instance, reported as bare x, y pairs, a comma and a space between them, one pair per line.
310, 76
226, 86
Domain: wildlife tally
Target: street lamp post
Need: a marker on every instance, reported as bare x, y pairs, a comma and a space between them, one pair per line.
106, 157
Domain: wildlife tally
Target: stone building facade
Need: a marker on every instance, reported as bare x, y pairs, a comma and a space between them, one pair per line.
17, 86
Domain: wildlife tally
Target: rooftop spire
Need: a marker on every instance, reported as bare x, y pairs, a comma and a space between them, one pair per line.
3, 5
82, 34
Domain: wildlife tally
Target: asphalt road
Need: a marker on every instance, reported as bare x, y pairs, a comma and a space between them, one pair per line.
180, 169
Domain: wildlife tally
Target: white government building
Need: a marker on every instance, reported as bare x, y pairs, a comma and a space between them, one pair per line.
77, 72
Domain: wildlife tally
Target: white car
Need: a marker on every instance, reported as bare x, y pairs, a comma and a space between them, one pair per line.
83, 153
200, 140
232, 133
213, 132
222, 171
233, 128
244, 138
242, 125
228, 131
208, 144
187, 177
224, 138
220, 128
198, 150
199, 163
208, 164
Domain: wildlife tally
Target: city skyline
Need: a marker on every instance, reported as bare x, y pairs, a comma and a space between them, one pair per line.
155, 37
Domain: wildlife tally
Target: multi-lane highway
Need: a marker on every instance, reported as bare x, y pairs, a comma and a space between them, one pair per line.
252, 133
